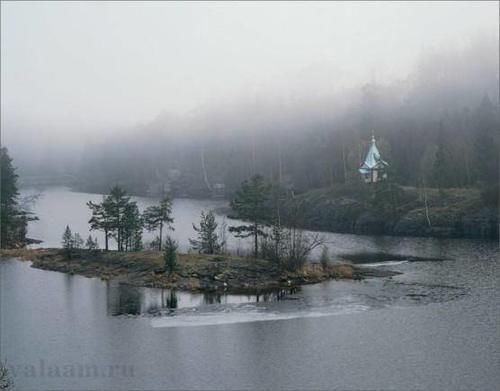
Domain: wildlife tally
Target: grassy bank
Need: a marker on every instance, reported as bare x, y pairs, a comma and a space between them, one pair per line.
195, 272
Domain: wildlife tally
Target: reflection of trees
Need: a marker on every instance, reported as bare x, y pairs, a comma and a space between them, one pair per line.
211, 298
276, 295
172, 299
126, 299
123, 299
283, 294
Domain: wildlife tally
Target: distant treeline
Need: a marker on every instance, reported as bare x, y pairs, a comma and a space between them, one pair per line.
439, 128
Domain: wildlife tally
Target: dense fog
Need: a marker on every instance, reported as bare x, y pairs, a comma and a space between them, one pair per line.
187, 97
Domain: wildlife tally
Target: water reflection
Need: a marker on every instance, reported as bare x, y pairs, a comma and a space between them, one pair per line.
171, 299
68, 319
124, 299
212, 298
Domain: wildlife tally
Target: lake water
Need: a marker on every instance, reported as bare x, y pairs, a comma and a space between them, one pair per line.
435, 326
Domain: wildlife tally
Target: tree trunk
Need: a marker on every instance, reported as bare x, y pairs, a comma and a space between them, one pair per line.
106, 239
256, 243
205, 176
344, 163
426, 207
161, 230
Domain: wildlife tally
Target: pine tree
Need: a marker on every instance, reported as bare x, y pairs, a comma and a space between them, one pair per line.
13, 220
68, 241
110, 216
77, 241
250, 204
8, 198
101, 219
91, 244
157, 216
279, 243
133, 224
117, 204
170, 254
208, 241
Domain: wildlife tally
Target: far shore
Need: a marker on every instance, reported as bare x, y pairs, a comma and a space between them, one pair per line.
194, 273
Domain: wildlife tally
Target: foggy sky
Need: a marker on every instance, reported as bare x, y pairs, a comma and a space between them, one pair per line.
70, 70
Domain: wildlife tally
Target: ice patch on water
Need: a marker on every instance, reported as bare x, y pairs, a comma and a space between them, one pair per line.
249, 315
388, 263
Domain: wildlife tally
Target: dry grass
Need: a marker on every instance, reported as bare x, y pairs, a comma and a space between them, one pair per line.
195, 272
342, 271
23, 253
316, 272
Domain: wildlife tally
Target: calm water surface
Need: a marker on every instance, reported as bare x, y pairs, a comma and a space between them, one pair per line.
436, 326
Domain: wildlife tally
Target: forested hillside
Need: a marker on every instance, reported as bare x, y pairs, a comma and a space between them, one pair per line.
388, 209
437, 127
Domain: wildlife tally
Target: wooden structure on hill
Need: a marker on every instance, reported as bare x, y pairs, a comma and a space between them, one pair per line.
373, 169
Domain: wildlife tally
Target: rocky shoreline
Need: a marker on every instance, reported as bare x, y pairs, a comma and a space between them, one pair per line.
195, 272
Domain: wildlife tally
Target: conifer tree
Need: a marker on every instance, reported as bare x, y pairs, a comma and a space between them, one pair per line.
101, 219
132, 230
250, 204
117, 203
208, 241
91, 244
114, 215
13, 220
157, 216
77, 241
170, 254
68, 241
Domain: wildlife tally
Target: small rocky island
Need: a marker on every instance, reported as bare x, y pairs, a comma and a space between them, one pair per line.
195, 272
